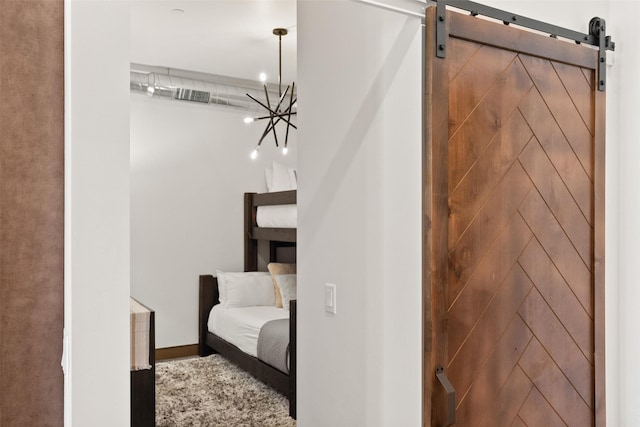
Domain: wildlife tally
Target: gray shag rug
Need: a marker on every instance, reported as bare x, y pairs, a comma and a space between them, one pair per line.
211, 391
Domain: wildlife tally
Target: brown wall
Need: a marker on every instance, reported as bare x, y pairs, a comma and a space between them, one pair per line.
31, 212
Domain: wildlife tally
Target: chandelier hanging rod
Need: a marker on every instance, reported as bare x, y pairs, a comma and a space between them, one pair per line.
280, 32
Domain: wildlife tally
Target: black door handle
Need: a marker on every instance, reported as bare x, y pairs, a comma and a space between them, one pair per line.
451, 395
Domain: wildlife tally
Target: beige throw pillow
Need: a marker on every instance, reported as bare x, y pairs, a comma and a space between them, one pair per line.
276, 269
287, 287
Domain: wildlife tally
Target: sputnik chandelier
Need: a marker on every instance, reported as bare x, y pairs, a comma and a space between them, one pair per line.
276, 113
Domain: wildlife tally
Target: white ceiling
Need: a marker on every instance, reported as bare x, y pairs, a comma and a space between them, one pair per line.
226, 37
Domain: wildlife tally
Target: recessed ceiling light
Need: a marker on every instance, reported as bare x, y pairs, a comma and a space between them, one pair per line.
177, 11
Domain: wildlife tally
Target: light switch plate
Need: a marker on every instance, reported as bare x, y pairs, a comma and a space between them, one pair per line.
330, 298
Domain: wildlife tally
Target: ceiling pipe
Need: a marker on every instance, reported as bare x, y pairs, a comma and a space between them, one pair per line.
187, 86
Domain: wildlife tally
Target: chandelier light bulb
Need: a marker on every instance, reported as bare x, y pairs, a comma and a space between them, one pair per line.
248, 119
254, 154
285, 150
263, 77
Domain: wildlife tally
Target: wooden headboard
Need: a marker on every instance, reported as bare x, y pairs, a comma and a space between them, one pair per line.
277, 237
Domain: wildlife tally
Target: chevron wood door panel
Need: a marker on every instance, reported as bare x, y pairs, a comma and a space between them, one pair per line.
513, 205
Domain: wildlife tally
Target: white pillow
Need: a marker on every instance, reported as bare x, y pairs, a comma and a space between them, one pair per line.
293, 176
245, 289
287, 286
283, 178
268, 175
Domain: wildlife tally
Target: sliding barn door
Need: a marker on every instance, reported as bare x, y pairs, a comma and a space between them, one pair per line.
513, 269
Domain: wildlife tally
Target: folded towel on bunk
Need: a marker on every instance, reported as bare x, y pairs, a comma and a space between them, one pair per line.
140, 322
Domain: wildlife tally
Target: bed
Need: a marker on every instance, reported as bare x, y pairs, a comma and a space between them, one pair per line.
279, 238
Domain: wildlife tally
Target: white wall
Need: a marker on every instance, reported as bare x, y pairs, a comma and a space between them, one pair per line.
359, 204
190, 166
625, 72
97, 213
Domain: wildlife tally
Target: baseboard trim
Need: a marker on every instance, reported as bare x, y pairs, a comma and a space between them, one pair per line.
176, 352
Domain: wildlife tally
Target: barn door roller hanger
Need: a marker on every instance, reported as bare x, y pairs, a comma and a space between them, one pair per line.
596, 37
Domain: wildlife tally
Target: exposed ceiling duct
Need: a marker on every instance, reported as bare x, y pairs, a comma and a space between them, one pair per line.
188, 86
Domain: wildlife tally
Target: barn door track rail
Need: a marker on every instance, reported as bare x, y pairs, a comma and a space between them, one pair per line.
596, 36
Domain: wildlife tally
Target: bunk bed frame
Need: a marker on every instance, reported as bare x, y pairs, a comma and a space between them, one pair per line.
208, 342
277, 237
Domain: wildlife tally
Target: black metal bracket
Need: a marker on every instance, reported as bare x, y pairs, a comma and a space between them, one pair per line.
441, 28
596, 36
451, 395
597, 28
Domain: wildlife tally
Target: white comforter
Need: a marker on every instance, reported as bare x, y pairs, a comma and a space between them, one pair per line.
240, 326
